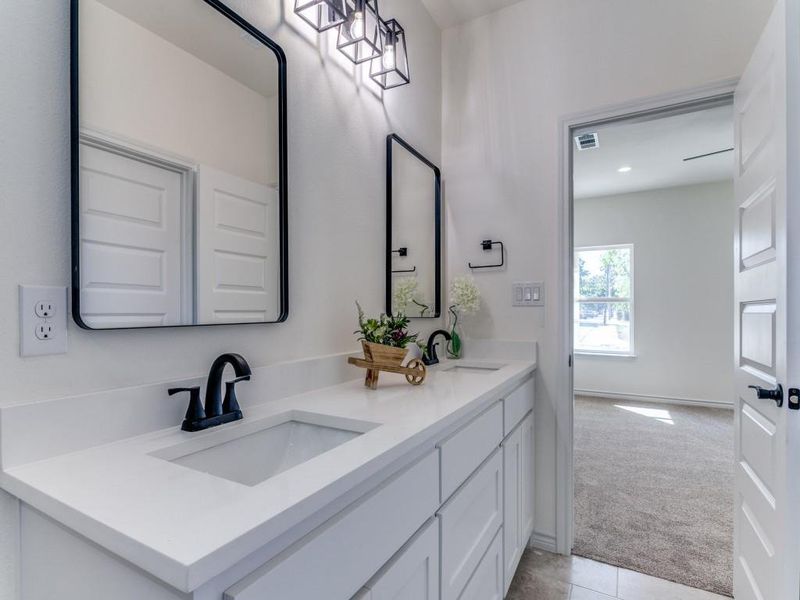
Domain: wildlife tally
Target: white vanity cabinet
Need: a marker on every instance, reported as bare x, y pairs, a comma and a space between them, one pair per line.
448, 520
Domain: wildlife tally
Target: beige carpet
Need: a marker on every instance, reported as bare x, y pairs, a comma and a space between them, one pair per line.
654, 490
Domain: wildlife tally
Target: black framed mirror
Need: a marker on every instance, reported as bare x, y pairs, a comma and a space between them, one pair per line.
413, 232
179, 166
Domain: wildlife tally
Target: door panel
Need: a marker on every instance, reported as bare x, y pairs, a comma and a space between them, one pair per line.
757, 216
130, 241
765, 567
237, 249
758, 337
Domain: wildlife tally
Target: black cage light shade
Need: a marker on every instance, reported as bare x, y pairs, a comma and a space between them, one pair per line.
390, 69
321, 14
360, 34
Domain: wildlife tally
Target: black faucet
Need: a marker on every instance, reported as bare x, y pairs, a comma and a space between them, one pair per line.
217, 411
429, 357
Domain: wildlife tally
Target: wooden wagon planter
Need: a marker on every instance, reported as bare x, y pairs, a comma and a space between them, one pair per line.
378, 357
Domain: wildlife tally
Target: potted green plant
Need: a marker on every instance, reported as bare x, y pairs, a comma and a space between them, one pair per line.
385, 338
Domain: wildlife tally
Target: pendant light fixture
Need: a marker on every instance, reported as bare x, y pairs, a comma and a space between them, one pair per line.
321, 14
359, 35
390, 69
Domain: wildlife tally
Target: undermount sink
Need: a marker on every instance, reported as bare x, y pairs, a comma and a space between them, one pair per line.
253, 452
471, 368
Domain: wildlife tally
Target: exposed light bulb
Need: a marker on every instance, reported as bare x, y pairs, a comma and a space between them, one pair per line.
389, 59
624, 169
357, 26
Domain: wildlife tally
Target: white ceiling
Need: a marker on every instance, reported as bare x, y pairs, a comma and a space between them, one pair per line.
447, 13
654, 150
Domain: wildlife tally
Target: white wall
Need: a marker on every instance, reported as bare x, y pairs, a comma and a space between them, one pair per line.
683, 291
508, 78
337, 130
191, 108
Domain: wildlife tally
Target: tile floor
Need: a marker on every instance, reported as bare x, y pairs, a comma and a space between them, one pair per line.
545, 576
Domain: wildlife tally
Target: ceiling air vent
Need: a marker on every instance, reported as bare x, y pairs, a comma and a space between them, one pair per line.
587, 141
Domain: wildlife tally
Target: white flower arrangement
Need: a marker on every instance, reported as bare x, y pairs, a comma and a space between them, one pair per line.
465, 297
405, 294
405, 290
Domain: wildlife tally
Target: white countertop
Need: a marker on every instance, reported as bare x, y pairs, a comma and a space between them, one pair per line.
185, 526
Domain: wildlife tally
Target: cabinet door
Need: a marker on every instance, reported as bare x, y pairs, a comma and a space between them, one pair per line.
469, 522
487, 580
517, 495
413, 574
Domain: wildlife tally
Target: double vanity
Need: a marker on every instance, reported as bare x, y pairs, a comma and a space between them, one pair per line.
297, 483
323, 490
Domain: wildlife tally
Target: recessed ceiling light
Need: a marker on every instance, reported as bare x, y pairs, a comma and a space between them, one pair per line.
624, 169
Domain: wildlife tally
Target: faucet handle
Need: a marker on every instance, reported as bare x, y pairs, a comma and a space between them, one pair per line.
230, 404
195, 411
429, 357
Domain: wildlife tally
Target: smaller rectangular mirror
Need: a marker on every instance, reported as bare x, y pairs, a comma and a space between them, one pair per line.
413, 232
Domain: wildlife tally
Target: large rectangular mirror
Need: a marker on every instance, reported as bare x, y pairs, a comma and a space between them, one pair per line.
178, 166
413, 232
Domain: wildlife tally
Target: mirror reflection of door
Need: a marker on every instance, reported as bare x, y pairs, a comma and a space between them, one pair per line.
179, 212
415, 236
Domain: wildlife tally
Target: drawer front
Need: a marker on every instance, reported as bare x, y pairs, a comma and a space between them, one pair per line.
335, 560
466, 449
469, 522
413, 573
487, 581
517, 404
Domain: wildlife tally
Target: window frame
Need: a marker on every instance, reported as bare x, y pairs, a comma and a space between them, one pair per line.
631, 351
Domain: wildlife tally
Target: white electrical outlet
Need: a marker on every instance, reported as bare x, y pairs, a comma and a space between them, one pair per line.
45, 309
42, 320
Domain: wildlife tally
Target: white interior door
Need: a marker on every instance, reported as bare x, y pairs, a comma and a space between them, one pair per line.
237, 249
130, 241
767, 566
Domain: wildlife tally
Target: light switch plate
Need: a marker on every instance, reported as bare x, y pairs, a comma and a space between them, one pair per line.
42, 320
527, 293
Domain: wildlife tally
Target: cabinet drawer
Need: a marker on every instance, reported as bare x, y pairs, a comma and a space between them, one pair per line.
413, 573
517, 404
487, 581
335, 560
469, 522
467, 448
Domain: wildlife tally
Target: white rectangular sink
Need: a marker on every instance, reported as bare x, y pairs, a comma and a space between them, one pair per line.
252, 452
477, 368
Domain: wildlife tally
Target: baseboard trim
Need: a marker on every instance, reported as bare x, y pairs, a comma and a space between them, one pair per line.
543, 541
653, 398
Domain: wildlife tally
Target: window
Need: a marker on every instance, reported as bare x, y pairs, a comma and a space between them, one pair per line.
604, 300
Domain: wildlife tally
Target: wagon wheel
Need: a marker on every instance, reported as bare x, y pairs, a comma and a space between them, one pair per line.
419, 372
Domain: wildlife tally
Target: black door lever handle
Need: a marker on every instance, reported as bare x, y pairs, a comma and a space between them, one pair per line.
764, 394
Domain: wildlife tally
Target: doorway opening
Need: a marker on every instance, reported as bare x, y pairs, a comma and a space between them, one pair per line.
652, 304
